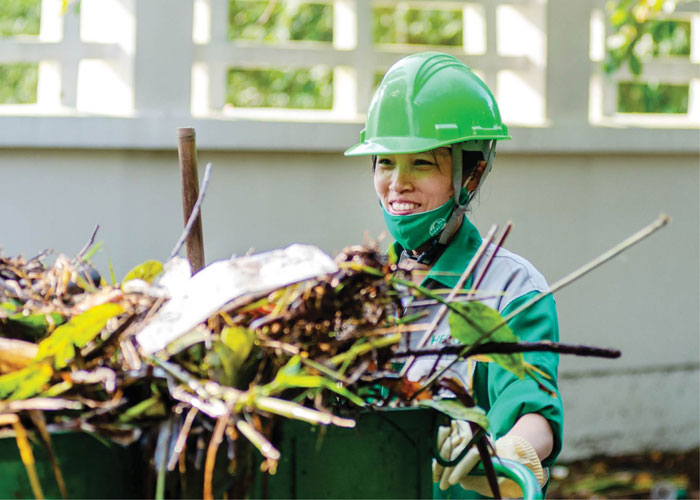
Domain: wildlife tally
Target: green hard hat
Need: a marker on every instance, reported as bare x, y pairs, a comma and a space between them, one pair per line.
426, 101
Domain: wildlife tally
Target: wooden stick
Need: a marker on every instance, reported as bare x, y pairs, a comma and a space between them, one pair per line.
189, 179
194, 216
513, 347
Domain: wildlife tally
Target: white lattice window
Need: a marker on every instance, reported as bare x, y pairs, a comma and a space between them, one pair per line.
355, 51
666, 93
83, 58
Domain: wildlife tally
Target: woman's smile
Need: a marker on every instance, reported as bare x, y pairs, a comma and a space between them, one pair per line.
401, 207
413, 183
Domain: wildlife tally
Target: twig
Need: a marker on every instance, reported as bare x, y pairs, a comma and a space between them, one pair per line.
660, 222
216, 438
480, 278
39, 422
195, 212
443, 309
513, 347
182, 438
88, 244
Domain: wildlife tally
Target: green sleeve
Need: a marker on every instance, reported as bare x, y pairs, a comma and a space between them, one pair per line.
507, 396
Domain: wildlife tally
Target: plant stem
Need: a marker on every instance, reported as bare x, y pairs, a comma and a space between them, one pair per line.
513, 347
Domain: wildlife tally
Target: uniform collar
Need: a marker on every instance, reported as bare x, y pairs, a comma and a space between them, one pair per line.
456, 257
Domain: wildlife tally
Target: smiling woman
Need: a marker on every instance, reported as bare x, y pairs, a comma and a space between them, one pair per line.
432, 129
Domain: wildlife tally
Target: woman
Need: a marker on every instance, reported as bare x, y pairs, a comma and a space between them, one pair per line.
431, 131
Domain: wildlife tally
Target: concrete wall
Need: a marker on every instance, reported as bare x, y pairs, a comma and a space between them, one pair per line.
567, 209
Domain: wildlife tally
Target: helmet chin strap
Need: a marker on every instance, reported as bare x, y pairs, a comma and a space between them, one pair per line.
437, 244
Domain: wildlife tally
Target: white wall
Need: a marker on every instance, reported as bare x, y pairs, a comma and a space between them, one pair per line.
567, 209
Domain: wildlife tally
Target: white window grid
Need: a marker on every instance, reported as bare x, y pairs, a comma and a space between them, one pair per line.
355, 59
679, 70
160, 78
65, 54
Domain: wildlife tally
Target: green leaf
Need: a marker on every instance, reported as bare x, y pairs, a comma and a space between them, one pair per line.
457, 411
78, 332
25, 383
293, 374
240, 340
146, 271
635, 65
37, 321
484, 319
93, 250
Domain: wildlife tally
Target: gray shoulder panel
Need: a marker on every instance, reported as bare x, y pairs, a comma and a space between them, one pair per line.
509, 276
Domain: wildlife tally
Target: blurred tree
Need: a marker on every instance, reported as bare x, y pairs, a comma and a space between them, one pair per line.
403, 24
638, 34
275, 88
19, 17
18, 83
273, 21
645, 97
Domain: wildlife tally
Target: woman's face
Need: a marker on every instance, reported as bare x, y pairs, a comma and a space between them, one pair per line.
413, 183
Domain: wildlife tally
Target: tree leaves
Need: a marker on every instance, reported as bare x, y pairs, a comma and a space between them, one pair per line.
483, 320
56, 351
146, 271
77, 332
457, 411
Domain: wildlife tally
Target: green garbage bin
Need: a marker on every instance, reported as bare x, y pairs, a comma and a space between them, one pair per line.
91, 468
388, 454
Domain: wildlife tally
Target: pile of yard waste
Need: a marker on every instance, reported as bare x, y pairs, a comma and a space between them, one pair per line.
222, 354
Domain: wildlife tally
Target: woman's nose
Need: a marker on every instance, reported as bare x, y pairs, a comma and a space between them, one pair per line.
401, 180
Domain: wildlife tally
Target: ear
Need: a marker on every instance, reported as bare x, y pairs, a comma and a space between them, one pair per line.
474, 179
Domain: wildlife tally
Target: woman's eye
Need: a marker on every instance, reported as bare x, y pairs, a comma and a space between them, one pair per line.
423, 163
384, 162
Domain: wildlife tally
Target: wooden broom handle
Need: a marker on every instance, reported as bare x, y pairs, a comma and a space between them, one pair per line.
189, 179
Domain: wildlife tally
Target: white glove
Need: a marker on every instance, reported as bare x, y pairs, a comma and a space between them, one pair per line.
513, 448
451, 442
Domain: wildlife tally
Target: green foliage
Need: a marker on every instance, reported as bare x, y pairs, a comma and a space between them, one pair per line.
294, 374
403, 24
289, 88
484, 319
56, 351
457, 411
78, 332
271, 21
639, 35
18, 82
645, 97
27, 382
19, 17
146, 271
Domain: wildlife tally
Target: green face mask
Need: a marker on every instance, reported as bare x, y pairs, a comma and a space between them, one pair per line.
411, 231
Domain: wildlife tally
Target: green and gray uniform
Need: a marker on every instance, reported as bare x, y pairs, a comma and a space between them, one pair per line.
509, 282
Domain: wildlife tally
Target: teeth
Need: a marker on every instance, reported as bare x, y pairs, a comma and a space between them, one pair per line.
400, 207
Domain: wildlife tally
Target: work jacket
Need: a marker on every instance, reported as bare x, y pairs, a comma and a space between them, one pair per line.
509, 282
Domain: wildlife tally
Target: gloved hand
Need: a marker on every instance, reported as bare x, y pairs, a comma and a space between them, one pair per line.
450, 443
512, 448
